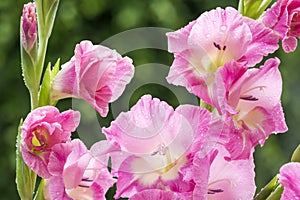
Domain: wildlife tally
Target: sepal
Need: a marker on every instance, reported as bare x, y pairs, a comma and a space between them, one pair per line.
253, 8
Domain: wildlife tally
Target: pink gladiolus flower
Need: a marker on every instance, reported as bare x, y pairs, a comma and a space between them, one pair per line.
216, 37
251, 99
284, 18
217, 178
28, 26
96, 74
157, 144
42, 129
76, 174
289, 177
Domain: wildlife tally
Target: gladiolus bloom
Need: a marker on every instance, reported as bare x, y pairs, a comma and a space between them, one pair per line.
215, 38
251, 100
157, 144
96, 74
75, 174
43, 128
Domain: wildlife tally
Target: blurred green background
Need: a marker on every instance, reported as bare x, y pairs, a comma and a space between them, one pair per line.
97, 20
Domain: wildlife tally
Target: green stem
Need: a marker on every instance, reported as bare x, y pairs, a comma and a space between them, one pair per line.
34, 98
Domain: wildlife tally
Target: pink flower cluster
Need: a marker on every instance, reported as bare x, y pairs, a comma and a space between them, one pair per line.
158, 152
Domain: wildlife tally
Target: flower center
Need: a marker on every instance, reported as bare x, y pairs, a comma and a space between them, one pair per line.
39, 139
164, 151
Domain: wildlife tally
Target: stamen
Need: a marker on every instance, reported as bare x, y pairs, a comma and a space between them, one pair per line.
249, 98
217, 46
224, 47
86, 180
161, 150
84, 186
213, 191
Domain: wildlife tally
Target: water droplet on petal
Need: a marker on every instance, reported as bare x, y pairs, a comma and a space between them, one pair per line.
223, 28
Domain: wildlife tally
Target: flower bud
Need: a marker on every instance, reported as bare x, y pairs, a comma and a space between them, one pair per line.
28, 26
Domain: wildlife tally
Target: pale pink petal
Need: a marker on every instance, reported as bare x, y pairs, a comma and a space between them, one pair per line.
264, 84
222, 34
289, 177
60, 153
189, 77
276, 18
178, 40
201, 173
54, 189
208, 128
231, 179
150, 121
289, 44
264, 41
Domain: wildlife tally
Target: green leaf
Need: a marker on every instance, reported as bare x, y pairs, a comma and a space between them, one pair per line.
44, 95
45, 87
50, 17
40, 192
25, 177
253, 8
46, 12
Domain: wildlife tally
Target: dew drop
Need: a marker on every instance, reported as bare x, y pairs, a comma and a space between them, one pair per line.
223, 28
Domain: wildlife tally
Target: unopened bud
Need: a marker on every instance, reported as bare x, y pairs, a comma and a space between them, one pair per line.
28, 26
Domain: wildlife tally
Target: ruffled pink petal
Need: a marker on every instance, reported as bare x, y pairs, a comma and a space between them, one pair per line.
222, 34
178, 40
123, 75
54, 189
289, 44
207, 127
261, 37
201, 173
276, 18
60, 153
150, 121
231, 179
289, 177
